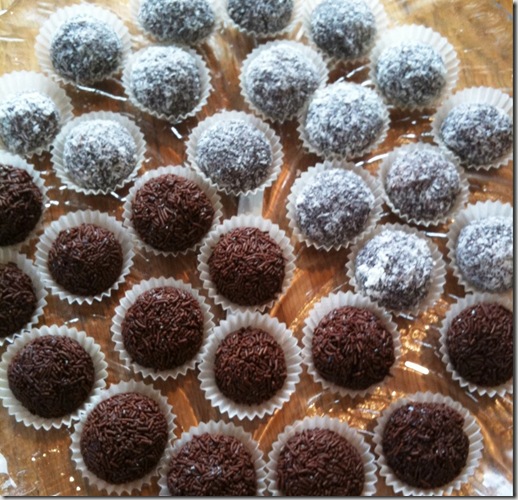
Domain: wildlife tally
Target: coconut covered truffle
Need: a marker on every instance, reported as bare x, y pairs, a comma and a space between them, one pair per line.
99, 154
344, 29
345, 120
478, 134
261, 16
484, 254
177, 21
85, 50
28, 121
279, 80
235, 156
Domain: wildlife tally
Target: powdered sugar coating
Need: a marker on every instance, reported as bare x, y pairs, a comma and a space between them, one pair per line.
98, 154
28, 121
484, 253
478, 134
411, 74
261, 16
333, 207
394, 269
344, 29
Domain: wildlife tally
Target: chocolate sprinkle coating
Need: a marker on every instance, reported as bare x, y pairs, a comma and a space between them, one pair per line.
394, 269
28, 121
344, 29
171, 213
484, 254
333, 207
344, 119
261, 16
319, 462
478, 134
280, 80
480, 344
411, 74
352, 348
21, 205
166, 80
163, 329
235, 155
99, 154
17, 299
423, 184
425, 444
85, 260
250, 366
177, 21
85, 50
51, 376
212, 465
124, 437
247, 266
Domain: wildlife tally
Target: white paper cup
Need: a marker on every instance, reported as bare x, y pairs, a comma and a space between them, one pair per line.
470, 427
15, 407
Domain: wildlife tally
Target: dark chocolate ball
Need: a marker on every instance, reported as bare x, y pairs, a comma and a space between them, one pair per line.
261, 16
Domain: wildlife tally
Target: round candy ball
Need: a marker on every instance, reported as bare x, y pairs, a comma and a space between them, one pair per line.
261, 16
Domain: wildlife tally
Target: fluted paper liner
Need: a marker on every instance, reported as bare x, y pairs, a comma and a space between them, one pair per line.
127, 302
120, 388
455, 309
71, 220
471, 429
219, 427
474, 95
58, 161
323, 308
352, 435
226, 116
299, 184
273, 231
15, 407
180, 171
279, 333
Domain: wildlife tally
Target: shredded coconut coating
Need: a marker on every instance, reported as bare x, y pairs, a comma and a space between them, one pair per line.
261, 16
411, 74
484, 254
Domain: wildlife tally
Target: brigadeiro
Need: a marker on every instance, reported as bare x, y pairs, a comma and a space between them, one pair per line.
278, 78
344, 120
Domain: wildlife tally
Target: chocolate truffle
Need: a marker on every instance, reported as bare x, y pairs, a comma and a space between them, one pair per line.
166, 80
344, 119
85, 260
247, 267
333, 207
279, 80
124, 437
17, 299
21, 205
425, 444
99, 154
484, 254
163, 329
51, 376
410, 74
394, 269
422, 184
261, 16
478, 134
85, 50
177, 21
480, 344
28, 121
235, 155
344, 29
249, 367
352, 348
212, 465
319, 462
171, 213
